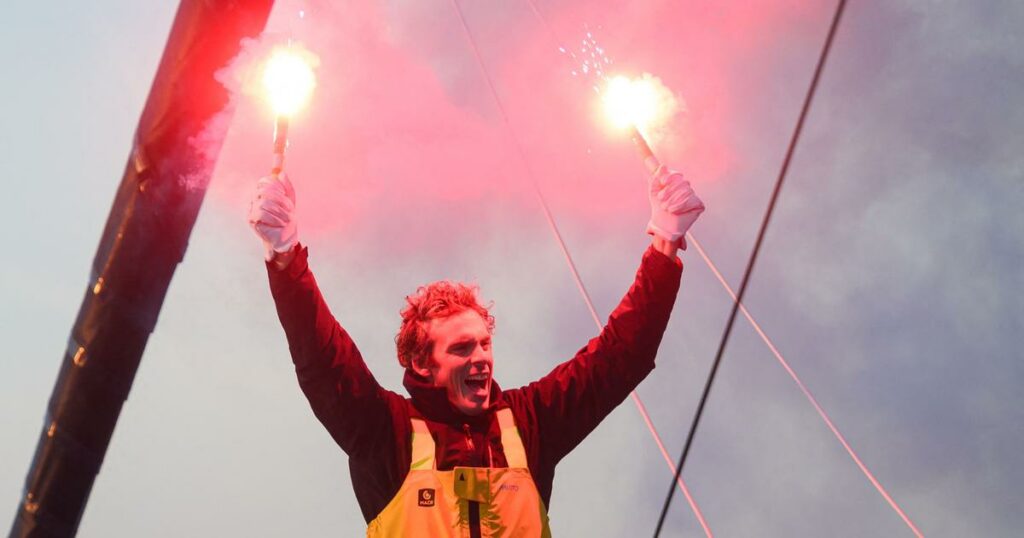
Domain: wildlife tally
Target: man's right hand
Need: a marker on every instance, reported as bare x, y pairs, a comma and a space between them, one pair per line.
272, 215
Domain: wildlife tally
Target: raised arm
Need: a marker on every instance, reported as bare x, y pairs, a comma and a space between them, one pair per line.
575, 397
572, 400
342, 392
340, 388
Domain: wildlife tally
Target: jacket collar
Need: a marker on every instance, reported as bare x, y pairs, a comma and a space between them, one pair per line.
432, 402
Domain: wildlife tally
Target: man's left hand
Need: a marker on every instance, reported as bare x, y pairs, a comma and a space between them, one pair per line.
674, 206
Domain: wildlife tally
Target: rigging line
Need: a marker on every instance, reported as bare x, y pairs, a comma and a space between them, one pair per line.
803, 388
753, 259
764, 336
677, 480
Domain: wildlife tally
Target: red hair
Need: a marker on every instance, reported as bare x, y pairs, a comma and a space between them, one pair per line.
436, 300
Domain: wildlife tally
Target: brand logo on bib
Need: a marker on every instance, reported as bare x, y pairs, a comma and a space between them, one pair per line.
426, 497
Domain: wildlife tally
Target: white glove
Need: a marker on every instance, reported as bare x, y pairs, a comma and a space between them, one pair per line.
674, 205
272, 214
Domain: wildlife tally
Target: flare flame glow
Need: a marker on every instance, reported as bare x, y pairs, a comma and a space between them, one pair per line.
632, 102
644, 106
643, 102
289, 80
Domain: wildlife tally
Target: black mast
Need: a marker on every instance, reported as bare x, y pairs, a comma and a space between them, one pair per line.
176, 146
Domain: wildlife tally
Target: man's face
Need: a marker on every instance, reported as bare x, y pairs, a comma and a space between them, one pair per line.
462, 361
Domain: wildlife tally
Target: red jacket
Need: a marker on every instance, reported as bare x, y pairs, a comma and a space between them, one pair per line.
371, 424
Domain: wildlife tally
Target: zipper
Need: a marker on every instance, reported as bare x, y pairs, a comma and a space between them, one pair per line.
469, 438
474, 506
474, 519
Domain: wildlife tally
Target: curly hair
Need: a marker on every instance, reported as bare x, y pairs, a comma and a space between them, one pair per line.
436, 300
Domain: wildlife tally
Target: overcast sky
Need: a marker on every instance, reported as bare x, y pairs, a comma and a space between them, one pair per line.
890, 277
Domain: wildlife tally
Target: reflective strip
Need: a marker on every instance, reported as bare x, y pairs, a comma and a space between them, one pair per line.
511, 443
422, 447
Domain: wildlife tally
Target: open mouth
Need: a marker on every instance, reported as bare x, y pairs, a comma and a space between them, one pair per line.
477, 382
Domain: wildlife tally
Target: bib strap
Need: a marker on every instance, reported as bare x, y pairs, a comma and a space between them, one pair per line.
422, 447
511, 443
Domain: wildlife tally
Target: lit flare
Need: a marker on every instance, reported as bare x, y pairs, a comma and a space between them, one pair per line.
288, 80
640, 105
631, 102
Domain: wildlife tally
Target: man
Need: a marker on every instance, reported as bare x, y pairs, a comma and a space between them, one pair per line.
462, 457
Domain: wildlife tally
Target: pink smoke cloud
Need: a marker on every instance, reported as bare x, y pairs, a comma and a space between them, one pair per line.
403, 139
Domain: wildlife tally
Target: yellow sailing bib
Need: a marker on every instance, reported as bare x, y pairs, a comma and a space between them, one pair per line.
466, 502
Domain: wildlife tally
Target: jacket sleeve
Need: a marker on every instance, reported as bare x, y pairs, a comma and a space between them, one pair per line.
574, 398
343, 393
